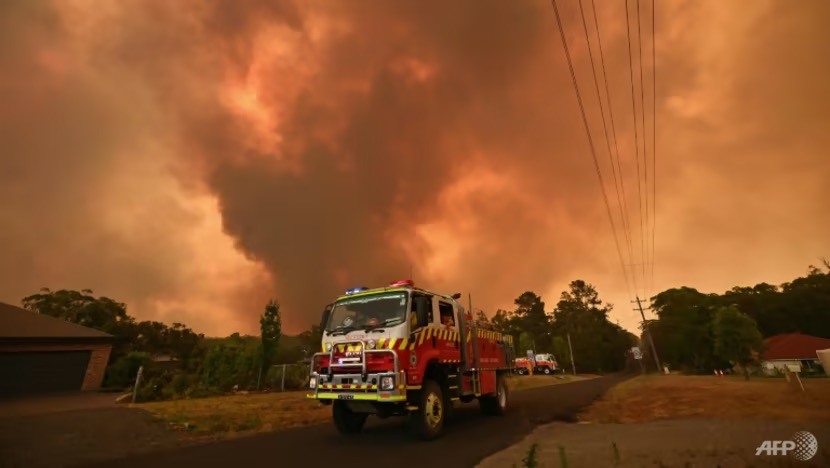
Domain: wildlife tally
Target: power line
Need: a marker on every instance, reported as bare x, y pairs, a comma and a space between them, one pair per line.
645, 146
636, 135
613, 130
626, 229
654, 140
590, 141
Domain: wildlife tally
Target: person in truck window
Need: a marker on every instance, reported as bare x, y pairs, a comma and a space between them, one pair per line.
446, 312
447, 321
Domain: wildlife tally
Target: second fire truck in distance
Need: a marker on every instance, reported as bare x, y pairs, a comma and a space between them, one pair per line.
404, 351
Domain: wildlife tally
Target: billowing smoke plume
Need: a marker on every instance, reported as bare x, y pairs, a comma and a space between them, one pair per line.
340, 144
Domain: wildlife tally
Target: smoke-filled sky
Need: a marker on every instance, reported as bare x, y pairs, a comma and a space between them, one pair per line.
195, 158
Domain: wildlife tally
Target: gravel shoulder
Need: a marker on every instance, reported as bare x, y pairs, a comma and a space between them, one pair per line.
669, 443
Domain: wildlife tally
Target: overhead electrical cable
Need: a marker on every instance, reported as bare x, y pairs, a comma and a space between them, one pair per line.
590, 142
623, 217
613, 131
654, 140
636, 138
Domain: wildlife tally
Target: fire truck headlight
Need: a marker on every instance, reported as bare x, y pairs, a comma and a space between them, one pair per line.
328, 347
312, 383
371, 344
387, 383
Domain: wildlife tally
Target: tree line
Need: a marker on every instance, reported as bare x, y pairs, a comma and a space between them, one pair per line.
693, 332
598, 344
177, 361
697, 332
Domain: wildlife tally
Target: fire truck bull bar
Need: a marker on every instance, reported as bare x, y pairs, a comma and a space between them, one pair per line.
353, 386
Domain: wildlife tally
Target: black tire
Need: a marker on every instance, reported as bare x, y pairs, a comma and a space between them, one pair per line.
427, 422
522, 371
495, 405
347, 421
546, 371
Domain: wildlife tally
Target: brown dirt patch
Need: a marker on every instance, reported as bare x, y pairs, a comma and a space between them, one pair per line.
656, 397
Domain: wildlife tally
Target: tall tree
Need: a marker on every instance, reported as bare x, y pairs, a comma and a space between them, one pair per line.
506, 322
736, 337
81, 307
270, 325
533, 320
598, 345
683, 333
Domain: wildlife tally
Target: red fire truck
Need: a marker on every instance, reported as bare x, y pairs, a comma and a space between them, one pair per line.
404, 351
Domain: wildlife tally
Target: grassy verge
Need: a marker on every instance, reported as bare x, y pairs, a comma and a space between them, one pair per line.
532, 381
240, 414
656, 397
227, 416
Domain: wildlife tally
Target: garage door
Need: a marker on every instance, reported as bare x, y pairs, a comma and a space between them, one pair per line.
28, 373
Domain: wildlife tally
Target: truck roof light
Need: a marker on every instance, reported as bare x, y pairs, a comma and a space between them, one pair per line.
402, 283
351, 291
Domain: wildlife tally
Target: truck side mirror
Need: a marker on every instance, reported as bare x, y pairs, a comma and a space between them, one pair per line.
325, 319
421, 311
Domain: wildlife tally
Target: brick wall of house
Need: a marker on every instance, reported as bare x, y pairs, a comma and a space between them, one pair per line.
97, 361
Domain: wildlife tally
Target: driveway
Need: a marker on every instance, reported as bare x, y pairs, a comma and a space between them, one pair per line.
61, 430
29, 406
470, 437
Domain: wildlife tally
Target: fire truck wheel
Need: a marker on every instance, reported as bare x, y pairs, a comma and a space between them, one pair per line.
495, 405
427, 421
522, 371
547, 371
345, 420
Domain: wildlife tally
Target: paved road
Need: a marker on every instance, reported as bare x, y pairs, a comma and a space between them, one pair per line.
470, 437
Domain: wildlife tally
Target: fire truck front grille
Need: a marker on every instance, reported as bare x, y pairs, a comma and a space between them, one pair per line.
351, 383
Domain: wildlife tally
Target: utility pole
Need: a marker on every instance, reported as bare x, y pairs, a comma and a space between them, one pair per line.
648, 333
571, 351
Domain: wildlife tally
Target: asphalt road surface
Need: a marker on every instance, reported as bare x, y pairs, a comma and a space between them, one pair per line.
469, 437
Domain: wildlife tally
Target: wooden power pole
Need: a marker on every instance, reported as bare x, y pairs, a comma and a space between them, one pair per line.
647, 331
571, 350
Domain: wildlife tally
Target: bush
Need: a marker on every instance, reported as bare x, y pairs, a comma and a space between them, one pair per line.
122, 373
182, 383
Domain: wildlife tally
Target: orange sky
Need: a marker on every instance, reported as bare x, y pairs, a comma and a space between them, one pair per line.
193, 159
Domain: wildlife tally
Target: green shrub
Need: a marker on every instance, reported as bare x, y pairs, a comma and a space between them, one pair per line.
122, 372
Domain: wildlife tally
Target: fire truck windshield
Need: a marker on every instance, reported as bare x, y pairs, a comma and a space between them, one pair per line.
368, 312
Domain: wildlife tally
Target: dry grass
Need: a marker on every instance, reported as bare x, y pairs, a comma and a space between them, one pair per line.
523, 382
228, 416
673, 396
235, 414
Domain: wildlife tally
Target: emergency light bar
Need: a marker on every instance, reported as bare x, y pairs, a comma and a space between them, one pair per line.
406, 282
351, 291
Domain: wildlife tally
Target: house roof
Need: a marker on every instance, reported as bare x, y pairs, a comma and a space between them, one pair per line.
20, 323
794, 346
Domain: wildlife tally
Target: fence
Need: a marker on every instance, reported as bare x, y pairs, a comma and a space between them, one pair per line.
153, 384
285, 377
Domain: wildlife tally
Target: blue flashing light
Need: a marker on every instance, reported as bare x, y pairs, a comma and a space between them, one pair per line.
351, 291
